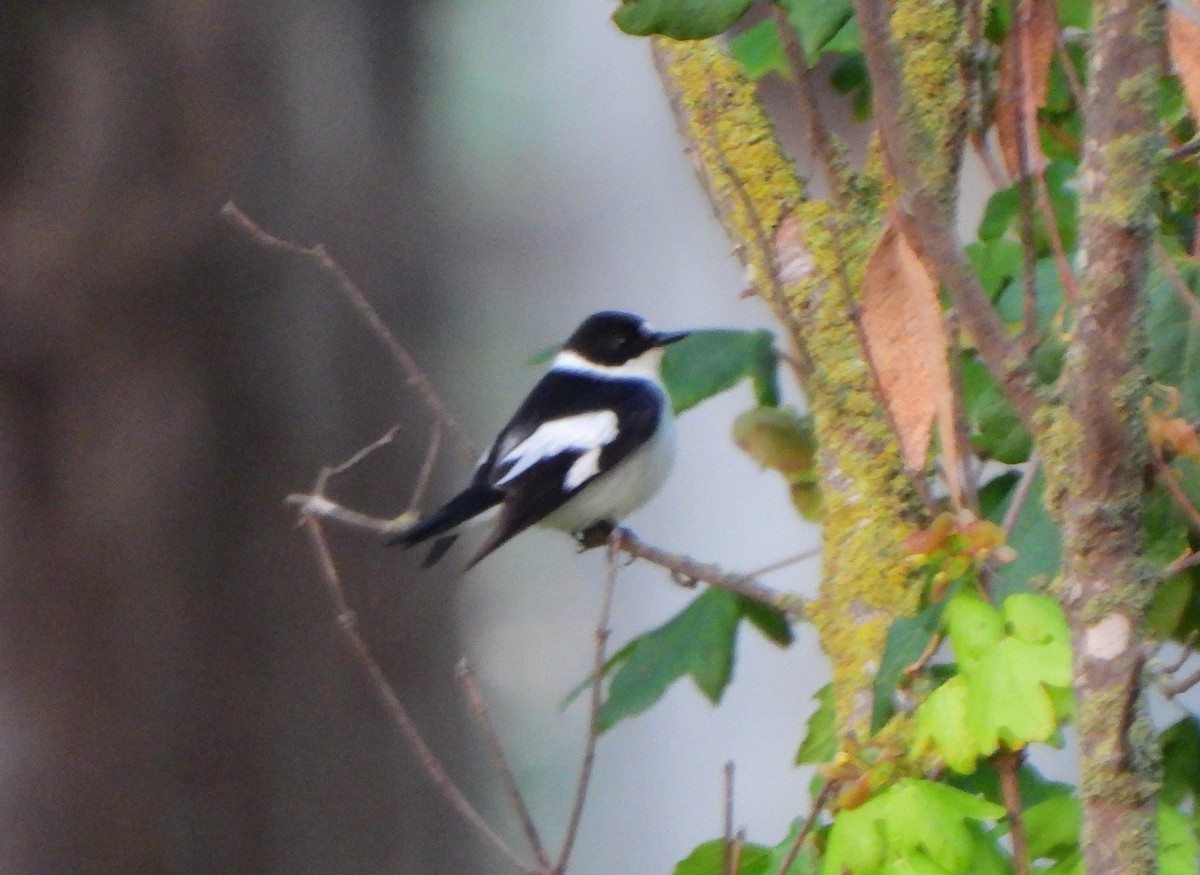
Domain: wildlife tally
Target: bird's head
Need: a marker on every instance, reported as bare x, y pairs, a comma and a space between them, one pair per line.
613, 340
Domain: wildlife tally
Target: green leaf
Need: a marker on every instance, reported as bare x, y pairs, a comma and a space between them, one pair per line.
1052, 827
1178, 847
974, 626
816, 22
1001, 209
1181, 762
1049, 294
1007, 699
679, 19
915, 821
698, 641
995, 263
906, 641
770, 621
759, 50
1035, 537
996, 430
820, 736
709, 859
1035, 619
1174, 356
708, 362
942, 726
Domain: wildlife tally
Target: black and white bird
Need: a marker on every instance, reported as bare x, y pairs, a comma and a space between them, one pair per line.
593, 441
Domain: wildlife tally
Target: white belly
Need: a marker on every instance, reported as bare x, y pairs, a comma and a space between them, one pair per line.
617, 493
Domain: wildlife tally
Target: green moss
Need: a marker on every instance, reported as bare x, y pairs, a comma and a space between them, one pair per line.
1128, 198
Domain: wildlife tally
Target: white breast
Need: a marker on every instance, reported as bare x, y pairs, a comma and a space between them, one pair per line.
625, 488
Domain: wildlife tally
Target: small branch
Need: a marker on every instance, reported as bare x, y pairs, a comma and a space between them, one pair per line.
927, 223
1019, 14
431, 452
802, 556
496, 749
809, 823
1185, 653
739, 845
1167, 265
1181, 686
819, 138
1007, 762
593, 735
1167, 478
415, 377
1183, 563
1187, 150
728, 867
1022, 493
318, 506
689, 569
386, 694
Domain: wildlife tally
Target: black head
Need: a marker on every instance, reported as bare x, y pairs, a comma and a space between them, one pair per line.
613, 338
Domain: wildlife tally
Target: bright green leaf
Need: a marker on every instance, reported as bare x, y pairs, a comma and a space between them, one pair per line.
1178, 848
816, 22
820, 736
942, 726
856, 840
1007, 700
974, 626
1035, 619
699, 641
1001, 209
995, 263
906, 641
708, 362
759, 50
679, 19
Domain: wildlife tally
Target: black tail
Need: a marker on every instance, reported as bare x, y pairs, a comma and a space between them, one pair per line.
468, 504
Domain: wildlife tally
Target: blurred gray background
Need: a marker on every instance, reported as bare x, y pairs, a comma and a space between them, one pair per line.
173, 696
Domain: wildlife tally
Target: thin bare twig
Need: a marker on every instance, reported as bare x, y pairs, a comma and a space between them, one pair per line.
819, 138
688, 568
386, 694
475, 696
312, 505
1167, 478
1007, 762
802, 556
1019, 14
925, 218
1185, 653
798, 842
1181, 686
1183, 563
593, 735
728, 866
1022, 493
739, 845
1167, 265
435, 441
414, 376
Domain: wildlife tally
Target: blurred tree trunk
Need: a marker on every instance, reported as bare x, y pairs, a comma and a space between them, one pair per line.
174, 697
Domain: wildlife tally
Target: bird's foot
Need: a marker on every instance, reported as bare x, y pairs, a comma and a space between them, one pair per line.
595, 535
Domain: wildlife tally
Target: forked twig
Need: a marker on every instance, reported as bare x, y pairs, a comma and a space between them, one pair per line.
596, 701
689, 569
318, 254
432, 766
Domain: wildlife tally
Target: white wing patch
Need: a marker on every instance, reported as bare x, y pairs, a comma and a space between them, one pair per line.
587, 432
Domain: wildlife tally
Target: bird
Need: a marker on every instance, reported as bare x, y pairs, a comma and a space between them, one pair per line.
592, 441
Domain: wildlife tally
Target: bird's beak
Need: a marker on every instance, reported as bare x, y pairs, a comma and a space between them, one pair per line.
662, 338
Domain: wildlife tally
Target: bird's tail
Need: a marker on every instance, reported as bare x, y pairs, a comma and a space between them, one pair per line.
468, 506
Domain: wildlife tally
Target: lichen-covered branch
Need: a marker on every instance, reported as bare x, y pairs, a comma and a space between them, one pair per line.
806, 259
1097, 452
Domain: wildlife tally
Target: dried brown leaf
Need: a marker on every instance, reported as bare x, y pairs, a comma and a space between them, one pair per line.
905, 342
1183, 39
1024, 82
